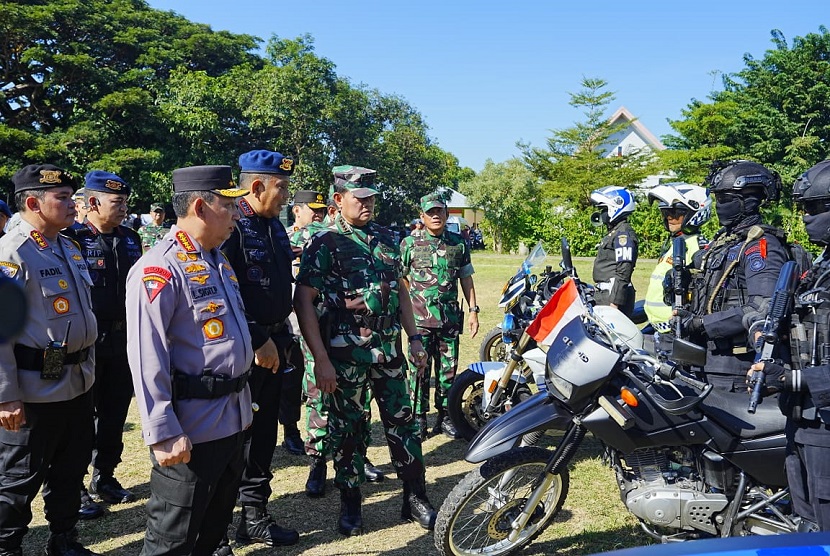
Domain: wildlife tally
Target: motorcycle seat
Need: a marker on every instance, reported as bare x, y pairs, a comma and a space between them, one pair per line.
729, 409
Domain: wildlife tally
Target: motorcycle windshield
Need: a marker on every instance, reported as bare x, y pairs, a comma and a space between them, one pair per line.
535, 258
574, 356
517, 285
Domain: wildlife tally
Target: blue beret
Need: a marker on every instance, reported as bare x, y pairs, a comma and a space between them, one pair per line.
105, 182
41, 176
4, 209
266, 162
216, 179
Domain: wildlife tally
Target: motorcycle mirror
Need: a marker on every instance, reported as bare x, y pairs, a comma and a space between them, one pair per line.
567, 261
683, 351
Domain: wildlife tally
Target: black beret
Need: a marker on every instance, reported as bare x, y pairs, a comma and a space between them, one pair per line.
105, 182
41, 176
266, 162
313, 199
216, 179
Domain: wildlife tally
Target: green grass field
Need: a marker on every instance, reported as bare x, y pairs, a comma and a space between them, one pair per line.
593, 518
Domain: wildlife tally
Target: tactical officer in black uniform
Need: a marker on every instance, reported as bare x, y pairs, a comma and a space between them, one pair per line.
733, 279
110, 250
260, 253
805, 398
617, 252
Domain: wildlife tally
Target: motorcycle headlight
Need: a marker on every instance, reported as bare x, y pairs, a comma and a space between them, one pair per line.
561, 385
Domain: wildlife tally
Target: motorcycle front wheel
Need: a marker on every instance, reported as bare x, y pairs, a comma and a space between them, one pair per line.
464, 401
475, 517
492, 347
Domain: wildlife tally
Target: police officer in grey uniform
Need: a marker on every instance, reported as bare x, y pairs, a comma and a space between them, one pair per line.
190, 353
734, 277
110, 250
260, 253
805, 385
46, 424
617, 252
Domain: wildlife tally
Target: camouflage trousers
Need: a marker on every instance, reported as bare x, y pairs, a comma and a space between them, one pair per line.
442, 358
347, 422
317, 410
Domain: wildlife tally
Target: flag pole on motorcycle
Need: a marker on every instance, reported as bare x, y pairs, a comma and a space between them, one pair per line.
779, 310
678, 267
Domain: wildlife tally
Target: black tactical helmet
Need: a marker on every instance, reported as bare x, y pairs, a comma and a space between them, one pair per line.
814, 184
741, 176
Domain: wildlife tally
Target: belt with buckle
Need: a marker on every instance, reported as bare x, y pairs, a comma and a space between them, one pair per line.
207, 386
31, 359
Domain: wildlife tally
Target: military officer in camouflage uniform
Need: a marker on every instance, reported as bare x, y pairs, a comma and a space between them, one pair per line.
190, 353
310, 213
433, 264
617, 252
355, 268
46, 377
110, 250
152, 233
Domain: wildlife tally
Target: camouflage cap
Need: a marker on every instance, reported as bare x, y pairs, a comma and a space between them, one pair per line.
157, 207
355, 179
432, 200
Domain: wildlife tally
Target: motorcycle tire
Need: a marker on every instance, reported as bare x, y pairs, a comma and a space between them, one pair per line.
464, 402
492, 347
475, 517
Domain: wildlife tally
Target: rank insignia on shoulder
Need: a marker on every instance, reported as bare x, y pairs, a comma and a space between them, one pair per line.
185, 242
245, 207
38, 238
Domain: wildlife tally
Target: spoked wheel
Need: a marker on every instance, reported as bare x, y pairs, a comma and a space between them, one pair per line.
464, 401
492, 347
476, 516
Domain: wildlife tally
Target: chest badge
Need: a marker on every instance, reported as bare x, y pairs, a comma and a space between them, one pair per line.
195, 267
212, 307
213, 328
200, 279
61, 305
62, 283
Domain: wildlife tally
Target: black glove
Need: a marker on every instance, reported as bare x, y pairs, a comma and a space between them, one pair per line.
691, 324
774, 379
668, 285
774, 371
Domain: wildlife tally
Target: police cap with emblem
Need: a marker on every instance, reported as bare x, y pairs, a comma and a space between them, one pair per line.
266, 162
313, 199
216, 179
105, 182
41, 176
356, 179
433, 200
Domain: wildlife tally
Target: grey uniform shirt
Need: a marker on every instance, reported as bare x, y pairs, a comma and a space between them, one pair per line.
57, 285
184, 313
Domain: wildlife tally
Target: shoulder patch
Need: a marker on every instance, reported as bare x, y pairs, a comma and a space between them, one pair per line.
158, 270
9, 269
153, 284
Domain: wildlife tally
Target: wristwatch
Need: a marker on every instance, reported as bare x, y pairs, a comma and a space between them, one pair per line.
417, 337
475, 309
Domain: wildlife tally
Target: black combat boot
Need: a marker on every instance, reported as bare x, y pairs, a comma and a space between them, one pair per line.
224, 548
445, 425
66, 544
315, 486
423, 426
256, 525
416, 506
105, 487
372, 473
351, 516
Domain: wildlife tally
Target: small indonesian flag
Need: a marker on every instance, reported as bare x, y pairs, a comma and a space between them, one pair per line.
563, 307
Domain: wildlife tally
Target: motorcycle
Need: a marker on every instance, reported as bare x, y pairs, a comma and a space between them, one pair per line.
690, 462
469, 404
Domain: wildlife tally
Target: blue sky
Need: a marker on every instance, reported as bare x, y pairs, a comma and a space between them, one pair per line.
486, 74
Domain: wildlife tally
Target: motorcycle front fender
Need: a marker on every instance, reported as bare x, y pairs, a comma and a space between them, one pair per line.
540, 412
483, 367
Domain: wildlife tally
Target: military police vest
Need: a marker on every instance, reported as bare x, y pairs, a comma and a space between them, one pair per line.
660, 314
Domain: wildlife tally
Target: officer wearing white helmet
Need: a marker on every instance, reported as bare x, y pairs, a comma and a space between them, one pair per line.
685, 208
617, 252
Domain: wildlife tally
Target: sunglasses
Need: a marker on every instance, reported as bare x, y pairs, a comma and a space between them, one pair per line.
673, 213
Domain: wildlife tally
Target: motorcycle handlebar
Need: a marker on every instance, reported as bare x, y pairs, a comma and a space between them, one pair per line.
666, 372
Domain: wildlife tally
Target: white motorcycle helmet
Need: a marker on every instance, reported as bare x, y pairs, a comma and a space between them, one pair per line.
618, 201
695, 200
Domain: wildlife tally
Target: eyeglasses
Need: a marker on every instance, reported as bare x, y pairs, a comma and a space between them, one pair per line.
673, 213
817, 206
723, 198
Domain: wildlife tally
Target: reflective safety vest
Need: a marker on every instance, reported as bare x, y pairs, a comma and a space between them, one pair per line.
659, 314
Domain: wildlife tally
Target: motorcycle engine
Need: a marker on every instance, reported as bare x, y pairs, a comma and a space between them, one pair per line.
664, 488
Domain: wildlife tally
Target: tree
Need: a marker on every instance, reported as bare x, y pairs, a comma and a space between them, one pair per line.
575, 161
773, 111
510, 196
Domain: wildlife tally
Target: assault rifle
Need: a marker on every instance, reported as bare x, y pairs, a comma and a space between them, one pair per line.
678, 262
779, 310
